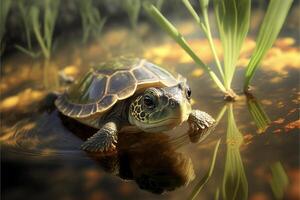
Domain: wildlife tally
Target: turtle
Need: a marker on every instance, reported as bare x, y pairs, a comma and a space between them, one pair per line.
129, 94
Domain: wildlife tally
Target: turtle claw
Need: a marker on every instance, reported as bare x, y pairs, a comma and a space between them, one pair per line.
104, 140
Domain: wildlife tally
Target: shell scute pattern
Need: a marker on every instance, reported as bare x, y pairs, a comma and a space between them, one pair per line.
142, 75
107, 101
88, 90
102, 87
123, 84
164, 76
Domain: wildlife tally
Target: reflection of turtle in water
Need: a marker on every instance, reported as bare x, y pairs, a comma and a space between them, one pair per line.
127, 93
137, 160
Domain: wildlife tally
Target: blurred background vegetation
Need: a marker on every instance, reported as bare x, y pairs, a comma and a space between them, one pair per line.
85, 18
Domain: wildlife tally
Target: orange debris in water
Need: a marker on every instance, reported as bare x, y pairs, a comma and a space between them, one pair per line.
197, 72
278, 121
292, 125
266, 102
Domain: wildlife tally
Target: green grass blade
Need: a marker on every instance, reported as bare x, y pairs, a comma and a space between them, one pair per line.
24, 12
217, 194
92, 22
193, 12
173, 32
233, 19
34, 14
269, 30
51, 10
132, 8
4, 9
205, 28
26, 51
197, 189
159, 4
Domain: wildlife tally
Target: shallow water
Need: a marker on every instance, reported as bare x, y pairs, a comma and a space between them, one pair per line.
41, 158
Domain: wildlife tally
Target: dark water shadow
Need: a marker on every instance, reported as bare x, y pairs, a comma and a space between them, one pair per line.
153, 160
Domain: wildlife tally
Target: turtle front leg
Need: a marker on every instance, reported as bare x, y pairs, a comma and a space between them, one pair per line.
200, 124
104, 140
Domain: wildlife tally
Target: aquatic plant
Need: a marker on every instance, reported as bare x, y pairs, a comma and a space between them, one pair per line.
233, 18
235, 185
259, 116
45, 36
4, 9
91, 19
279, 181
207, 176
269, 30
25, 16
132, 8
174, 33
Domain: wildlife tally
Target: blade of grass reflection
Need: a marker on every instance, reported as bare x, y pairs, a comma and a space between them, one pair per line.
259, 116
50, 79
217, 194
235, 185
279, 181
207, 176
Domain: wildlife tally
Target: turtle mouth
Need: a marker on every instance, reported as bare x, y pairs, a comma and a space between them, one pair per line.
163, 125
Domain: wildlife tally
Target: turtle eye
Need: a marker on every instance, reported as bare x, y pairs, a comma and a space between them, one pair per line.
188, 92
148, 101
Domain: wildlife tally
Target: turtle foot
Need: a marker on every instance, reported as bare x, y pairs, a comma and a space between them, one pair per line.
200, 120
201, 125
104, 140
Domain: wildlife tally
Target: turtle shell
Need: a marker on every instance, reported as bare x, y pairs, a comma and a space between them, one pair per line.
106, 83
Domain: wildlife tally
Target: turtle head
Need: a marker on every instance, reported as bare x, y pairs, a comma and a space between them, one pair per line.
161, 109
